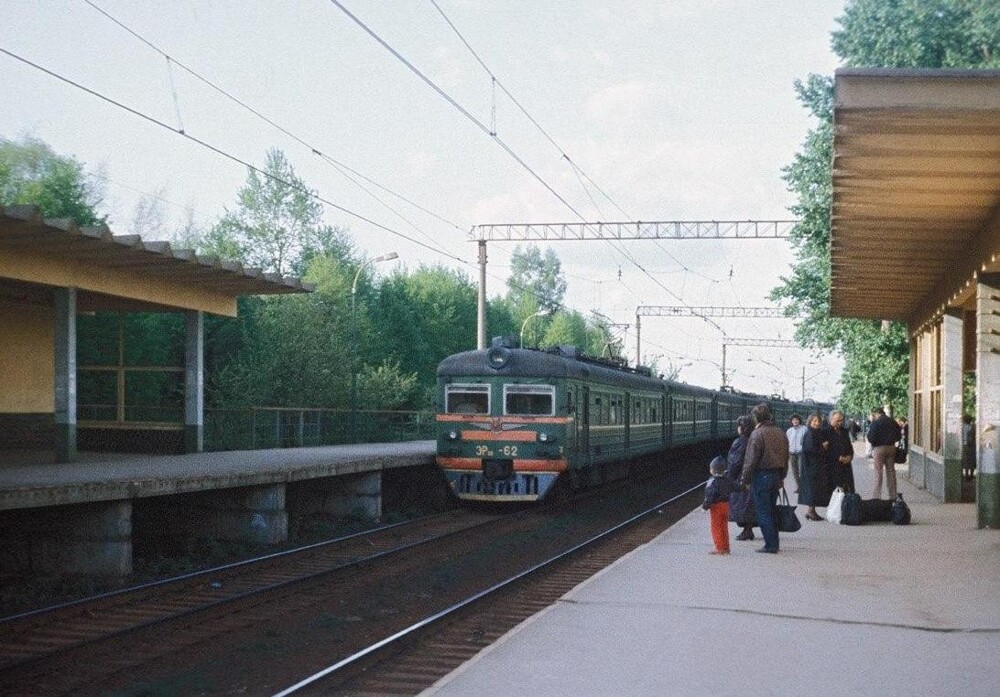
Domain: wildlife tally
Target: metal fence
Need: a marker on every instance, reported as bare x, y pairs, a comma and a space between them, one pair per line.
273, 427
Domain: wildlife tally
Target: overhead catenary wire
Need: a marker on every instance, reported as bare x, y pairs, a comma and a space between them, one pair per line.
576, 168
339, 166
227, 155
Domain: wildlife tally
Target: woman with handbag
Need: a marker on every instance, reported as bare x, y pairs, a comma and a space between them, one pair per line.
813, 487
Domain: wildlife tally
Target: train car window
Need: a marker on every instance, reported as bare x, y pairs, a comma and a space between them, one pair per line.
467, 399
570, 404
529, 400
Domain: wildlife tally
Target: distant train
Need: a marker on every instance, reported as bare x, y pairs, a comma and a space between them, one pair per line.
514, 421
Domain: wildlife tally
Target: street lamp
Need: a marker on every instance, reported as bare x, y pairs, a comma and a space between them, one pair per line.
354, 340
541, 313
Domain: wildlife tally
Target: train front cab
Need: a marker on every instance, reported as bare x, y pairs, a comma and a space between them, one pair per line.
501, 441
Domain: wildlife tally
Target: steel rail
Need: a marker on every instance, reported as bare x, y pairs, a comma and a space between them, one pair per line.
428, 621
249, 594
214, 570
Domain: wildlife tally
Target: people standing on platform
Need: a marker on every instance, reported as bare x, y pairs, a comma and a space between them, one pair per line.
795, 434
764, 468
968, 447
883, 435
813, 489
903, 446
734, 462
717, 491
839, 455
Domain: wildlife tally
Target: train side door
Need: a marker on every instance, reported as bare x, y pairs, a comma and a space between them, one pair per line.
627, 414
584, 408
667, 418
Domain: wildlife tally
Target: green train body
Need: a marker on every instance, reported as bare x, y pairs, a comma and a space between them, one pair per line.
513, 421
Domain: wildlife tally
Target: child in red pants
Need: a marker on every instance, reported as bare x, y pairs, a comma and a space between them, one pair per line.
717, 491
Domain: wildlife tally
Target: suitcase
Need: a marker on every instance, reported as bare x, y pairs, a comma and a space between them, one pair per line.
850, 509
876, 511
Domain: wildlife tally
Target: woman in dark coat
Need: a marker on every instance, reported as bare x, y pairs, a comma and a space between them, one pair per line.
839, 455
734, 462
813, 487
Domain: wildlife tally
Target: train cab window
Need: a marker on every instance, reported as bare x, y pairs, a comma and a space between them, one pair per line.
467, 399
529, 400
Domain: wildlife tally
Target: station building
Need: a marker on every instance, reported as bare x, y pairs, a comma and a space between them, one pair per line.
916, 238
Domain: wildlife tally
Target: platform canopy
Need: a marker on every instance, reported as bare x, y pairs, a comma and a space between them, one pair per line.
119, 272
916, 191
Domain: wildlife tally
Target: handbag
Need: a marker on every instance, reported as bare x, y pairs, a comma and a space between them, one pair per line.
741, 510
900, 456
787, 520
900, 511
833, 510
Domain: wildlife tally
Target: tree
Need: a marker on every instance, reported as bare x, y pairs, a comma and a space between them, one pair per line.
277, 225
417, 320
874, 33
535, 278
32, 173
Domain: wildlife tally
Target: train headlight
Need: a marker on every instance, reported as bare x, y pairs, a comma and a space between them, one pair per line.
544, 437
498, 357
452, 435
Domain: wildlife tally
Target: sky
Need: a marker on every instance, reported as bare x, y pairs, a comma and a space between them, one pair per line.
669, 109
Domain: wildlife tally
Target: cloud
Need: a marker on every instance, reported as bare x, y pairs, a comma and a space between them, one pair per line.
621, 102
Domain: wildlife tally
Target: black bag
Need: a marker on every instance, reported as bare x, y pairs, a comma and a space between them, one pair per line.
900, 511
786, 518
741, 510
876, 511
850, 509
900, 455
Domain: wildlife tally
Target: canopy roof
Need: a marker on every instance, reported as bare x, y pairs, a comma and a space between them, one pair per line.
119, 271
916, 190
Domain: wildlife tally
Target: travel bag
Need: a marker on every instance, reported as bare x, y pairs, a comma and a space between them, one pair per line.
876, 511
900, 511
850, 509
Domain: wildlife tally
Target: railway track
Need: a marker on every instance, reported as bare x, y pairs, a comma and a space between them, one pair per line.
219, 633
416, 657
29, 637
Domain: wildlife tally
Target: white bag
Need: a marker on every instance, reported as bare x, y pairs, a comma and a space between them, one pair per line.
836, 503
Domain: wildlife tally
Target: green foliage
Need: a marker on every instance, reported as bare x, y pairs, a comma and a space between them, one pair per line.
920, 34
277, 225
874, 33
31, 173
535, 279
420, 318
385, 386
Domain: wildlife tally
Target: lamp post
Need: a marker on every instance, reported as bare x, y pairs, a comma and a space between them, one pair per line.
541, 313
354, 340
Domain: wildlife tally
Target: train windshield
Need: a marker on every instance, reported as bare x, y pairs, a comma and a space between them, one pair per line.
467, 399
529, 400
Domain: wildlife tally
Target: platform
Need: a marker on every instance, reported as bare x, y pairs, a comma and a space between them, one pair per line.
875, 609
25, 483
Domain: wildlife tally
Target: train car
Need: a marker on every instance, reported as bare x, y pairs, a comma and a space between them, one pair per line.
517, 421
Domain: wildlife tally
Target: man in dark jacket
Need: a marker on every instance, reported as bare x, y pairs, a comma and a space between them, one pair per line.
883, 434
764, 468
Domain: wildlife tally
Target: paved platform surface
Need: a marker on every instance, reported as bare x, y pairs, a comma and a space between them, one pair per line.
109, 476
871, 610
